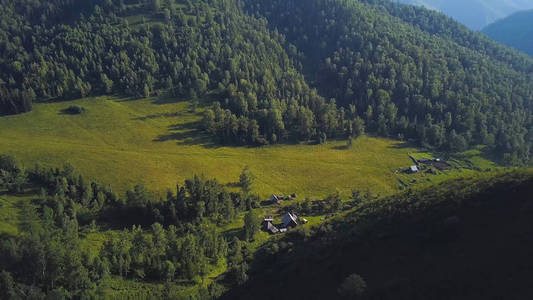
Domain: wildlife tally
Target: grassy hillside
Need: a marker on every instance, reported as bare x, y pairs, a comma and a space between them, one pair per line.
122, 142
10, 213
463, 239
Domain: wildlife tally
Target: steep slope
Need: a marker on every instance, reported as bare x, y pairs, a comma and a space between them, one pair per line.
465, 239
475, 14
409, 74
514, 31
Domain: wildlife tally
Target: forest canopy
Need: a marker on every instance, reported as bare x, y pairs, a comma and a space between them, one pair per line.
276, 71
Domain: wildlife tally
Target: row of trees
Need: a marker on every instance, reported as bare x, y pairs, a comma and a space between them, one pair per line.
283, 122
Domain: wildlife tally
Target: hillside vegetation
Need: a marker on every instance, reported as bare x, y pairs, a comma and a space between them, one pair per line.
141, 139
462, 239
64, 235
386, 68
514, 31
408, 78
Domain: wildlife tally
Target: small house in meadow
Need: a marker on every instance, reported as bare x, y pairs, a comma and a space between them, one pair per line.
290, 220
275, 199
268, 225
413, 169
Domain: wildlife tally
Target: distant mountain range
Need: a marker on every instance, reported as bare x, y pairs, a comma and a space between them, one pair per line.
515, 31
476, 14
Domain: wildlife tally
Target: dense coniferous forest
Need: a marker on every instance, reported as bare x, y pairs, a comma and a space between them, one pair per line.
393, 69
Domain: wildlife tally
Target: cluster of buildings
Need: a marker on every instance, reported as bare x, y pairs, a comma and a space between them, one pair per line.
289, 220
428, 162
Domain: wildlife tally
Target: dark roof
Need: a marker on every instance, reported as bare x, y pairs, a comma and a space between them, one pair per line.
290, 218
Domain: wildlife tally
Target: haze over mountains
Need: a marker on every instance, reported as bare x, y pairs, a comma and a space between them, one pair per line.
515, 31
476, 14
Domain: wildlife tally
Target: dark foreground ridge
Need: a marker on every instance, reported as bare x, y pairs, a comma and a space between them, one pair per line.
465, 239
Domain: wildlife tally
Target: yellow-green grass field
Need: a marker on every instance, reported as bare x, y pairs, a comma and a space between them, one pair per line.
124, 142
9, 214
12, 211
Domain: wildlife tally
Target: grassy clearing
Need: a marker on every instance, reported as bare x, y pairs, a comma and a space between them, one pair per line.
8, 215
125, 142
10, 212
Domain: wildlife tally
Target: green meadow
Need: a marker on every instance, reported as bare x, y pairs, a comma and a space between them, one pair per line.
124, 142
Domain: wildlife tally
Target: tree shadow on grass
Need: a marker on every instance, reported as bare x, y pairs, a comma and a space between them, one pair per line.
233, 185
188, 134
404, 145
166, 99
159, 115
341, 147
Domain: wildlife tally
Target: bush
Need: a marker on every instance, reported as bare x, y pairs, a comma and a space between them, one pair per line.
353, 286
74, 110
8, 163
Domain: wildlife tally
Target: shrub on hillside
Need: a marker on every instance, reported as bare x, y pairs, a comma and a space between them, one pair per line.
353, 286
8, 163
74, 110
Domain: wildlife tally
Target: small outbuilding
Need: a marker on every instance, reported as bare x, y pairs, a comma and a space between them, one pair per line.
275, 199
270, 228
413, 169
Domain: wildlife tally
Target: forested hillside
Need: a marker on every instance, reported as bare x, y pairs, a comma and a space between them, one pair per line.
410, 75
463, 239
182, 50
514, 31
390, 69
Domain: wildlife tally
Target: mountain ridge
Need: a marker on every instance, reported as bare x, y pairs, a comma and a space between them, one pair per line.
514, 31
475, 14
